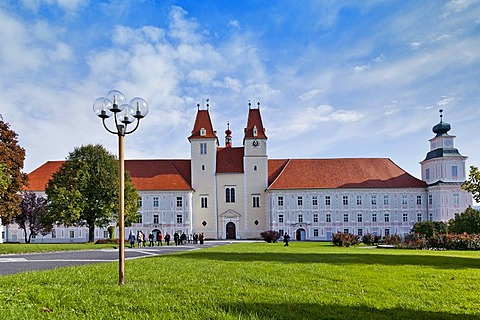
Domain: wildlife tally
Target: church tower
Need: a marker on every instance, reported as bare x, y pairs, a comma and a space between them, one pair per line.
255, 163
203, 150
444, 171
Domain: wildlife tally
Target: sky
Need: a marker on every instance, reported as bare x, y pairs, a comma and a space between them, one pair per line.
335, 79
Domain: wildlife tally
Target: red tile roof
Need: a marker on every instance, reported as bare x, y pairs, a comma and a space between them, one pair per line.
38, 178
146, 174
203, 120
341, 173
254, 119
230, 160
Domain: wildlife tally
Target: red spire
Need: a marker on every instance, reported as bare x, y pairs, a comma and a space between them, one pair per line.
228, 136
203, 125
254, 127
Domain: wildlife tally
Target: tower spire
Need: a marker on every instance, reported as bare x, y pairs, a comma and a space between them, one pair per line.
228, 136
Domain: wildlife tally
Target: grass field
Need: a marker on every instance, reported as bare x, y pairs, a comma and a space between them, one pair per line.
256, 281
13, 248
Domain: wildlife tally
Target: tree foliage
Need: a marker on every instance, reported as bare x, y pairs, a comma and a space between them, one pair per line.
12, 179
430, 228
84, 191
32, 217
467, 221
472, 185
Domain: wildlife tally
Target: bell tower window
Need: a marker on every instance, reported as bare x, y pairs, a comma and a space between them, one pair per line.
203, 132
255, 131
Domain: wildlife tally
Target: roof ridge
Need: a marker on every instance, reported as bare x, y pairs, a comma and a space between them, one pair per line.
181, 175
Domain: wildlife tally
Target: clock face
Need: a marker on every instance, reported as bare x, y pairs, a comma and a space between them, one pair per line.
255, 143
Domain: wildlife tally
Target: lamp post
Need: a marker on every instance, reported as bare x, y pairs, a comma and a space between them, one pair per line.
114, 104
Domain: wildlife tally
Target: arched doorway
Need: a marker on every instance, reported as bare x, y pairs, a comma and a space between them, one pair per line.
300, 235
231, 230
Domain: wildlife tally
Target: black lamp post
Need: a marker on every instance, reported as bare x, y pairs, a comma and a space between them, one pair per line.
114, 104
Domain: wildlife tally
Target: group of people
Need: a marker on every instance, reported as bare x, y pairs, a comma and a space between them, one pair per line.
158, 238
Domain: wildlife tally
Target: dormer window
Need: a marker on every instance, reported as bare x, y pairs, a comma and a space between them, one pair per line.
255, 131
203, 132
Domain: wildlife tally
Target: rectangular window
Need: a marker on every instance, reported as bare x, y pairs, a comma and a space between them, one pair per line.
204, 202
345, 200
327, 200
179, 202
359, 217
300, 218
140, 202
105, 234
387, 232
405, 217
387, 217
430, 217
230, 194
155, 202
280, 201
374, 200
427, 174
203, 148
360, 232
3, 234
256, 201
315, 232
419, 200
328, 217
385, 200
404, 199
345, 217
456, 198
454, 172
72, 233
359, 200
419, 217
281, 232
346, 231
179, 218
280, 218
300, 201
314, 201
155, 219
374, 217
430, 199
315, 218
140, 219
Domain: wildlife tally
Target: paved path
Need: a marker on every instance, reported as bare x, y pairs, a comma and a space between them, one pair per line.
16, 263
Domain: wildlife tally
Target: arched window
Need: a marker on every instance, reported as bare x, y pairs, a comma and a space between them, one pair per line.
254, 168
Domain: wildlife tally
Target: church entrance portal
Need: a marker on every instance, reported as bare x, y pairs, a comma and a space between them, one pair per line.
231, 230
300, 235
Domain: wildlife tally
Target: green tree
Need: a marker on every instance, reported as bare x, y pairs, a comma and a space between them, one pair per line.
430, 228
472, 185
467, 221
84, 191
12, 179
31, 220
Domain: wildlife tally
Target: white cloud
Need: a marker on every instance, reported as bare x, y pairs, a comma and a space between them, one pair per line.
234, 23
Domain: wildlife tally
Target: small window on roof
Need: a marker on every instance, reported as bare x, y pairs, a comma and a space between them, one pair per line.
255, 131
203, 132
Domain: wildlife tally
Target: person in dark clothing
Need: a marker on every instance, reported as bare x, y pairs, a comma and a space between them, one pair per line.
286, 239
167, 239
176, 238
201, 238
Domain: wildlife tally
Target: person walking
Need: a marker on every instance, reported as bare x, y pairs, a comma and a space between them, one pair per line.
286, 239
131, 239
167, 239
201, 238
159, 238
139, 238
150, 239
176, 238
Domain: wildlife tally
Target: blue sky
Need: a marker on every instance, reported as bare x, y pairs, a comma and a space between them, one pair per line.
334, 78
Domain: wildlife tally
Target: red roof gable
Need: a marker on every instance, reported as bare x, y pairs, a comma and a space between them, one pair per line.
341, 173
146, 174
230, 160
254, 120
203, 121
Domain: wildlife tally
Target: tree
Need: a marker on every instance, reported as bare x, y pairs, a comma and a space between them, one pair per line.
12, 179
472, 185
467, 221
32, 218
84, 190
430, 228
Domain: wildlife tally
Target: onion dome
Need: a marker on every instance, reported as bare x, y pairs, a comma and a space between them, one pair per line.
442, 127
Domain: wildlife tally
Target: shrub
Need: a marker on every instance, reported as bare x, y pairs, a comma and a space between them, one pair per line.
345, 239
394, 239
368, 239
270, 236
107, 241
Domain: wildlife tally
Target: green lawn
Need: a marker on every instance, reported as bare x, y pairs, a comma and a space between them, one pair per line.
256, 281
6, 248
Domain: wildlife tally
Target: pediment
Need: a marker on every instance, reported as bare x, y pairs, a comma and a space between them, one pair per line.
230, 214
